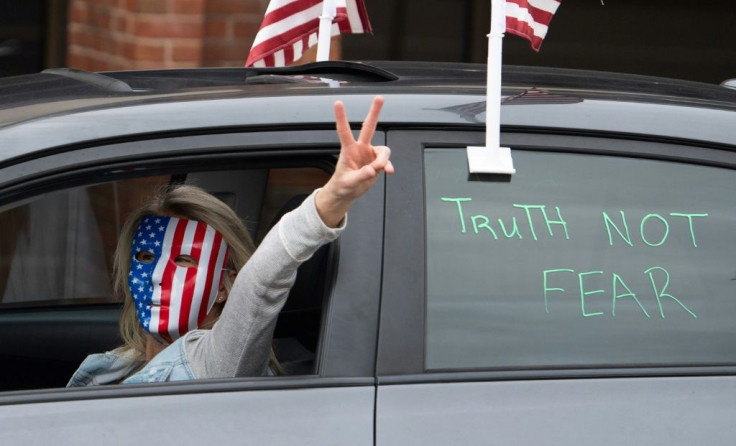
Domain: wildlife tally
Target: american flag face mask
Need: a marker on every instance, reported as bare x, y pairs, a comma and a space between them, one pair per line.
172, 299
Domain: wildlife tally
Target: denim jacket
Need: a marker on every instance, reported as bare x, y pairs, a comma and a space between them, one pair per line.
171, 364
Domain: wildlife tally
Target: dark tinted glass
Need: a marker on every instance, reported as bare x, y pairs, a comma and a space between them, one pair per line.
58, 247
579, 260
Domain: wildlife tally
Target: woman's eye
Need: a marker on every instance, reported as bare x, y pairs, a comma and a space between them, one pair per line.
145, 256
186, 261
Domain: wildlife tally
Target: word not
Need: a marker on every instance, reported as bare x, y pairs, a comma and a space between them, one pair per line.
481, 223
658, 276
650, 220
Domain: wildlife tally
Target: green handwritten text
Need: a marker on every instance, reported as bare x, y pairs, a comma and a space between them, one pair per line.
651, 220
482, 224
659, 278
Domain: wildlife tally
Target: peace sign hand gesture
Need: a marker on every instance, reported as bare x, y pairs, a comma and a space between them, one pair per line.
358, 166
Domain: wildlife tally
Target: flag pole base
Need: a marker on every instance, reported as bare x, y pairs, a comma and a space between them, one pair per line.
490, 160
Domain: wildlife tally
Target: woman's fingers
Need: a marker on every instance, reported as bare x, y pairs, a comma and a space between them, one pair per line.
357, 155
389, 167
343, 125
371, 121
369, 124
358, 165
381, 161
366, 174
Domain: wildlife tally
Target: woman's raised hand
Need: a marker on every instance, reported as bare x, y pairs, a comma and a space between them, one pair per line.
358, 166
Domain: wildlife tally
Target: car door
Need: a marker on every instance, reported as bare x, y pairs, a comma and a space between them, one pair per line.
331, 401
588, 299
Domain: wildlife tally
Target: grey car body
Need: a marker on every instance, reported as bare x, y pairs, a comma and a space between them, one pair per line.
397, 360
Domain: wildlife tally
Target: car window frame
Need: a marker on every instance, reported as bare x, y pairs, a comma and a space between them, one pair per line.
356, 260
401, 350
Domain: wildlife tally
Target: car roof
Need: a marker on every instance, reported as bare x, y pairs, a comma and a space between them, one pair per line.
64, 107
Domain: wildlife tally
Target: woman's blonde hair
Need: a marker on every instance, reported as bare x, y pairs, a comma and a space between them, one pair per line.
188, 202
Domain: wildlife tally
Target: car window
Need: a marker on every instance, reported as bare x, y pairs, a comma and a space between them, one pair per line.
579, 260
284, 184
56, 251
57, 248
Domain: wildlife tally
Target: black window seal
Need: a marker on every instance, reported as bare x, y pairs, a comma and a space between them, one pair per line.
466, 376
208, 386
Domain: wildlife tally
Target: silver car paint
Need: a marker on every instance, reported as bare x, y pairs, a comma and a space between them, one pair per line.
322, 416
602, 412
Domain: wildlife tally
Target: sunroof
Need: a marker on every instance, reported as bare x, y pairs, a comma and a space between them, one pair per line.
324, 74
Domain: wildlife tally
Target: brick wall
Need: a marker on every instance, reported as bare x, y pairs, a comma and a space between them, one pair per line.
230, 26
137, 34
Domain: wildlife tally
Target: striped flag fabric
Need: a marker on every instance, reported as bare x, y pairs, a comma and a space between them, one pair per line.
290, 27
172, 299
530, 19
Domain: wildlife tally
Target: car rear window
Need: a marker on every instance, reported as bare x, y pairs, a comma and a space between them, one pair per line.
579, 260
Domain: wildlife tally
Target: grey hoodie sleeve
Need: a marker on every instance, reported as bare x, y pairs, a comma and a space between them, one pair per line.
239, 343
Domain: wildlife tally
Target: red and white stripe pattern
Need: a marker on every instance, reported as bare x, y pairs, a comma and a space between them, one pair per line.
182, 296
290, 27
530, 19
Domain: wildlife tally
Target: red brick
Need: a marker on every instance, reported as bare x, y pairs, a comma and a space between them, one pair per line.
79, 61
188, 6
118, 65
106, 44
236, 7
184, 64
220, 49
100, 65
125, 34
217, 28
126, 50
151, 26
97, 42
100, 17
245, 29
148, 65
130, 19
78, 12
75, 35
119, 23
141, 50
147, 51
81, 35
189, 52
151, 6
107, 3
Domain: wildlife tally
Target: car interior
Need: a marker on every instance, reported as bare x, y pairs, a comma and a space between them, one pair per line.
45, 334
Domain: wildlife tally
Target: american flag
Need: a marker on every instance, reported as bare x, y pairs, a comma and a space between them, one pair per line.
530, 19
290, 27
171, 299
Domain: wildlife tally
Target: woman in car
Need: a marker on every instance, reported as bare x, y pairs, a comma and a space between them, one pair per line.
199, 301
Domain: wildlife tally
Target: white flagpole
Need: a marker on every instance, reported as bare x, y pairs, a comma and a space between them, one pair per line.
329, 11
493, 158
